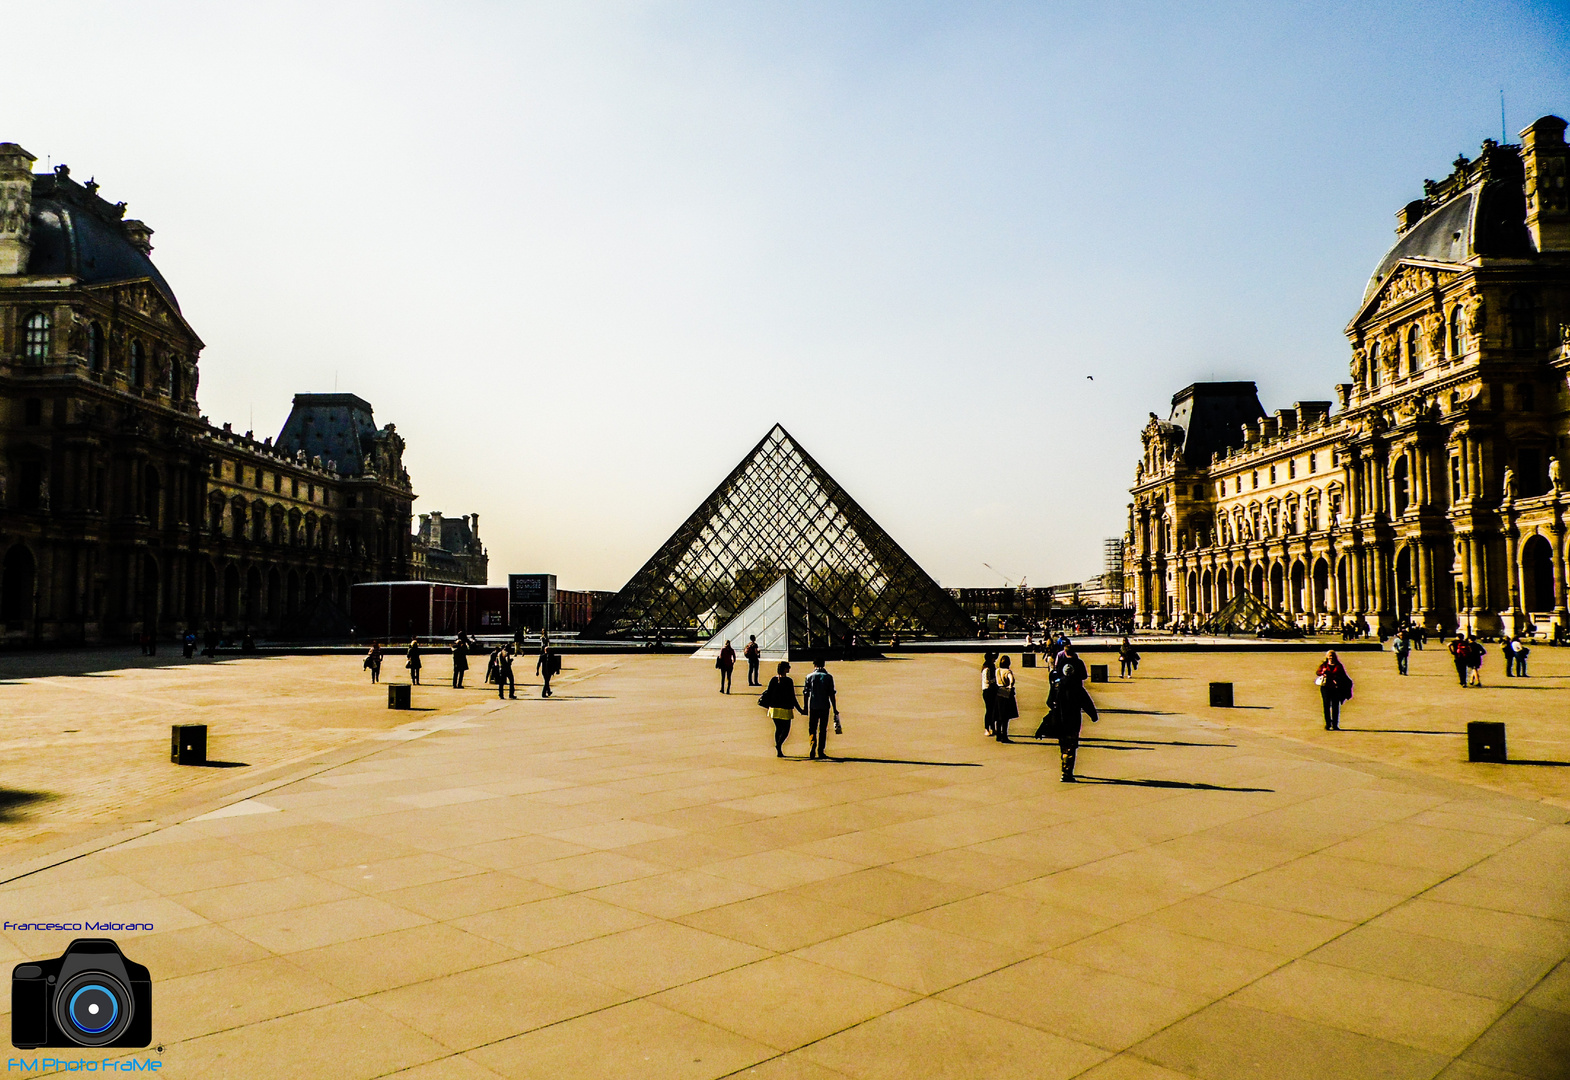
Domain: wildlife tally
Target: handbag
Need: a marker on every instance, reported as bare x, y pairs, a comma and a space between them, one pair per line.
1319, 680
1049, 726
837, 729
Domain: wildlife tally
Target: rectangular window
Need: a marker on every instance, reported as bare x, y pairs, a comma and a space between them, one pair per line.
278, 482
30, 481
1272, 474
1256, 479
1528, 396
350, 501
32, 412
1313, 463
261, 480
294, 486
1455, 479
218, 469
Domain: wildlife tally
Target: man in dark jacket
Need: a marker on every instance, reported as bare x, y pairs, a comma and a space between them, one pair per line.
545, 667
1071, 697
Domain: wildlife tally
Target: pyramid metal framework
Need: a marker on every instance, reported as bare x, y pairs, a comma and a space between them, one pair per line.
788, 622
779, 513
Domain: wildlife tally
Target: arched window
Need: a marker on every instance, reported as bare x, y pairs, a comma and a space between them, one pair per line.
138, 363
35, 337
1522, 322
1455, 332
1373, 366
95, 348
1411, 350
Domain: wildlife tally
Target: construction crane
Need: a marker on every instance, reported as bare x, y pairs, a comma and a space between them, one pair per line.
1006, 579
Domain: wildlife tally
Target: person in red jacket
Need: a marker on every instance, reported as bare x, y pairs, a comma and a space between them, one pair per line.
1335, 686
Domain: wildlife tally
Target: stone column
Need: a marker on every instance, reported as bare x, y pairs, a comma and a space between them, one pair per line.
1561, 615
1513, 589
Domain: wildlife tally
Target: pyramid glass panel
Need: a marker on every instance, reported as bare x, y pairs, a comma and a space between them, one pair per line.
779, 513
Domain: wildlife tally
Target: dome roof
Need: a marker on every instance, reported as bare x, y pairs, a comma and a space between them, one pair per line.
75, 232
1478, 210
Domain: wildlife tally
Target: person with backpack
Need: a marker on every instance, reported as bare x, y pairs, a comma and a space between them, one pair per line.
780, 699
547, 665
752, 655
1066, 703
817, 693
1335, 687
1128, 660
373, 662
1006, 705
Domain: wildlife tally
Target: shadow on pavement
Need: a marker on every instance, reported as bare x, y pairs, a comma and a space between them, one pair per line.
225, 765
1400, 731
899, 761
14, 803
1168, 784
1153, 742
1524, 761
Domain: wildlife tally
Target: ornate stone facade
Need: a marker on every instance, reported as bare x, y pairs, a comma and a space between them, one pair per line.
1434, 491
122, 510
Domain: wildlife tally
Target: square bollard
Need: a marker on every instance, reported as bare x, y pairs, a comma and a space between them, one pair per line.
1485, 741
1098, 673
1027, 660
1220, 695
188, 744
398, 695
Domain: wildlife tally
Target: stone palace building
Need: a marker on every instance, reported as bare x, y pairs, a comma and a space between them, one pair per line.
122, 510
1431, 489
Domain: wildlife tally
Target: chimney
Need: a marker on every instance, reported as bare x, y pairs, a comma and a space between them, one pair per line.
474, 525
1543, 153
140, 235
1410, 215
16, 208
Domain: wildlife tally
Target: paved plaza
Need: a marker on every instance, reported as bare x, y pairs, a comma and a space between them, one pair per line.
624, 881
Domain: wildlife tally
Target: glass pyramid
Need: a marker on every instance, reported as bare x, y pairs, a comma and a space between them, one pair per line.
779, 513
789, 623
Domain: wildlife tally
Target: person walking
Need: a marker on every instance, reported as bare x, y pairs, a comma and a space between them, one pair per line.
1474, 659
1070, 700
413, 662
1128, 660
1403, 649
750, 651
780, 699
504, 679
460, 662
1335, 687
1007, 704
817, 693
1521, 653
989, 691
545, 667
726, 662
1458, 653
373, 662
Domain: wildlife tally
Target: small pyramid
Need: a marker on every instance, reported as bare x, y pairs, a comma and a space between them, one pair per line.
788, 621
779, 513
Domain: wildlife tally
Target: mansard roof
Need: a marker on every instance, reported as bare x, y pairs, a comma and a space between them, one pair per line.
334, 427
78, 233
1211, 416
1479, 210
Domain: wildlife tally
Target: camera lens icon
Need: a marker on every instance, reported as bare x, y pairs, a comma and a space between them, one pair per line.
93, 1008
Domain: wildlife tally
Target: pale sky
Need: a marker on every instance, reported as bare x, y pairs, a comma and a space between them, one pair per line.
583, 255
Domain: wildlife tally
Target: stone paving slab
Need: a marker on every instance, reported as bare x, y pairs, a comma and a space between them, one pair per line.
625, 881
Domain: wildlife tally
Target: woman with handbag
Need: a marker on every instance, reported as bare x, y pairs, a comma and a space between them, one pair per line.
780, 699
1006, 707
1335, 686
726, 662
